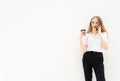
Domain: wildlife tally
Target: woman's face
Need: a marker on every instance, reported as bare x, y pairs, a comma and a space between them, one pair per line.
95, 23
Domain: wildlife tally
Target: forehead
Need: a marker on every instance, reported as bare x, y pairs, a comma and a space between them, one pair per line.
95, 19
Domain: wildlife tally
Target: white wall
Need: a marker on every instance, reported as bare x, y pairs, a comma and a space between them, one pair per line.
39, 39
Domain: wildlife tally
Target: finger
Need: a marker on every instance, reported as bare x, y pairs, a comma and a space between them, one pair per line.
99, 27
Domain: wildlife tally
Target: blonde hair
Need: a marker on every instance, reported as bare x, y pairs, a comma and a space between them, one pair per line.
100, 23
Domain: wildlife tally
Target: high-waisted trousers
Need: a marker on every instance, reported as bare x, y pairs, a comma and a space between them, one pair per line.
93, 60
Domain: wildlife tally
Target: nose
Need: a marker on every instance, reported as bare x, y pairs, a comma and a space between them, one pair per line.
95, 24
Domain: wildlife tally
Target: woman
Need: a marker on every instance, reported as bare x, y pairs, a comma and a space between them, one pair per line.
93, 44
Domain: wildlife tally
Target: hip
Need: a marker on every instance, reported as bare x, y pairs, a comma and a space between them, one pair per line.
93, 56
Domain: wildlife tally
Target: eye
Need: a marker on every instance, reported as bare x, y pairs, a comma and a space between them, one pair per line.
96, 22
92, 22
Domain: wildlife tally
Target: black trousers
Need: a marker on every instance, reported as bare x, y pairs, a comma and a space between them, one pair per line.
93, 60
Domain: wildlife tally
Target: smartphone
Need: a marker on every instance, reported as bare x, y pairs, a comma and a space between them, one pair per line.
97, 27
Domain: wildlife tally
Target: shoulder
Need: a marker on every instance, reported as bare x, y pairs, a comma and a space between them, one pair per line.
104, 33
88, 34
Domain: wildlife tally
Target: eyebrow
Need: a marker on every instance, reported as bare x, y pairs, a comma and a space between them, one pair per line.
93, 21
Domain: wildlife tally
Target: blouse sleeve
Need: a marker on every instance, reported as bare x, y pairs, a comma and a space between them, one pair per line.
105, 37
85, 40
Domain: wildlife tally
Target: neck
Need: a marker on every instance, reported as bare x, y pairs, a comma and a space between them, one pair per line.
94, 31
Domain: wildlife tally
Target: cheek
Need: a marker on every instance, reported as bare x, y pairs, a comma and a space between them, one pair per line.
97, 24
92, 24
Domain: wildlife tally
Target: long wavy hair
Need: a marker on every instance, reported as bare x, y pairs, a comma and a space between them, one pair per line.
100, 23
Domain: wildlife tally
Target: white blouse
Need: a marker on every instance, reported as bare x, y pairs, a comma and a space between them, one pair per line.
93, 41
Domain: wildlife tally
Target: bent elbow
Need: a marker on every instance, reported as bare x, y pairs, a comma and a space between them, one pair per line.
106, 47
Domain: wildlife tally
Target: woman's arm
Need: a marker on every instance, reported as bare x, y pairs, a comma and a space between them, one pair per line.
103, 42
83, 47
103, 38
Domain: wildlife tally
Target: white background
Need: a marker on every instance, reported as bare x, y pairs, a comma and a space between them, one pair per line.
39, 39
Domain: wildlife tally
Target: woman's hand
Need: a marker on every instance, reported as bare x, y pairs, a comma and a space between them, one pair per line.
83, 47
99, 30
82, 33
